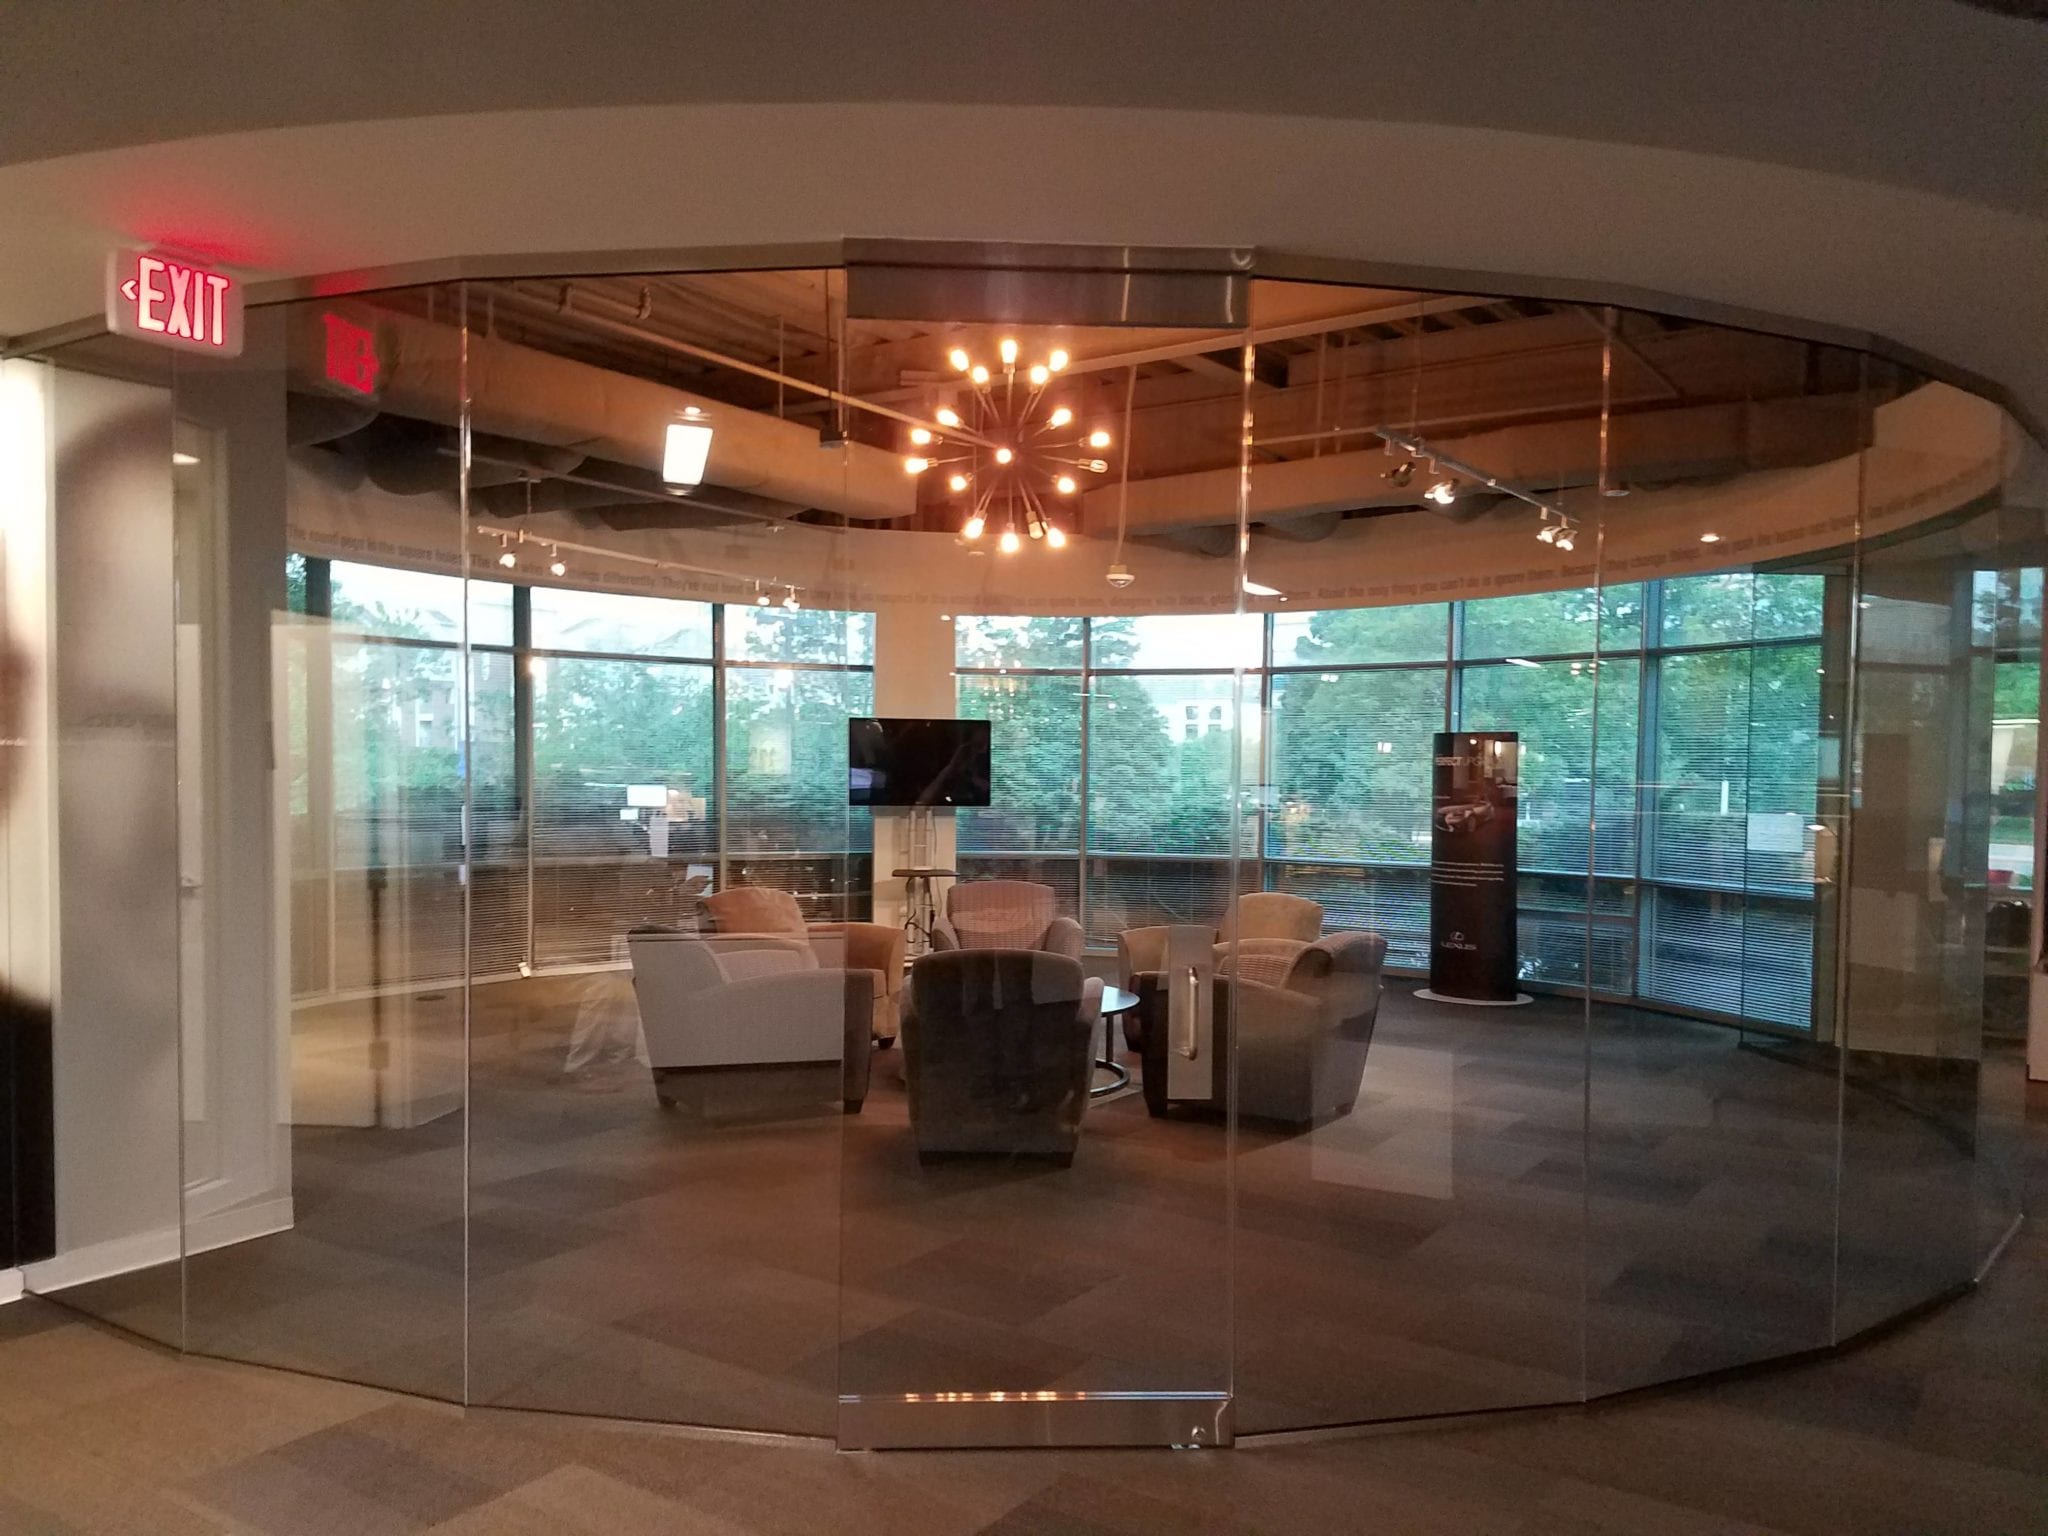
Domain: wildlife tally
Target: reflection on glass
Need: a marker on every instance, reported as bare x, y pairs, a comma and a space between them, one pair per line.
566, 619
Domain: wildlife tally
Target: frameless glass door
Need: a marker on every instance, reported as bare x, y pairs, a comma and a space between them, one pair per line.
1035, 1235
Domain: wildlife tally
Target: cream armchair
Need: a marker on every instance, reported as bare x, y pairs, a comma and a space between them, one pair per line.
710, 1005
875, 948
1260, 939
1300, 1041
1006, 914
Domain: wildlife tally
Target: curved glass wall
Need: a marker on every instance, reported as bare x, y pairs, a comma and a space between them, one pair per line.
517, 1009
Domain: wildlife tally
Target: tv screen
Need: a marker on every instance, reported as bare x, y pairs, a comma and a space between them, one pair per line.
916, 762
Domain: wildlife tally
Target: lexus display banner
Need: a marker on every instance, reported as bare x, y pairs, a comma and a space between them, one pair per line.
1472, 866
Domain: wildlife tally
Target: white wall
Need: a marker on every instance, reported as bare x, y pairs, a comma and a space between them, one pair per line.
116, 1044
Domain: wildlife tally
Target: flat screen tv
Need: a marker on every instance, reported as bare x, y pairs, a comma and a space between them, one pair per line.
916, 762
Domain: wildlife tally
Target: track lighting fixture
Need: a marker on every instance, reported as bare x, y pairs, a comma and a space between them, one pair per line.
1401, 474
556, 567
760, 598
789, 600
506, 558
1443, 493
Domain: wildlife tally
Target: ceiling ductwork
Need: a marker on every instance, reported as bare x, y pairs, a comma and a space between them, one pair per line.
1306, 498
541, 411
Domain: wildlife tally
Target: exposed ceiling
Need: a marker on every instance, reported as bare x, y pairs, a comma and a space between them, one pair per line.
1512, 386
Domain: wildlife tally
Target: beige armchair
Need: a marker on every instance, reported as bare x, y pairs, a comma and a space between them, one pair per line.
876, 948
1260, 939
1006, 914
1300, 1041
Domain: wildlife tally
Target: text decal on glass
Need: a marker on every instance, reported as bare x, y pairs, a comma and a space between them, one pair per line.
173, 302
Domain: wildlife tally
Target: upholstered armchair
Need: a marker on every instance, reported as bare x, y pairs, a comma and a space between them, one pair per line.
709, 1004
1300, 1041
996, 1053
1260, 938
1006, 914
876, 948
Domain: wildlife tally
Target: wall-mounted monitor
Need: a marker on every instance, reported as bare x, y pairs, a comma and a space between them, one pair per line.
917, 762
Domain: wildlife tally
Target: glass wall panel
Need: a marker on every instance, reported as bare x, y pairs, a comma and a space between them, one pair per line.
1031, 828
325, 1134
565, 619
618, 745
1004, 1234
1412, 1243
1345, 745
1710, 1139
1409, 632
657, 1094
1917, 1051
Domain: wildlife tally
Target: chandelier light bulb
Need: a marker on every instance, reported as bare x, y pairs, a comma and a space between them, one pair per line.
1009, 543
1007, 350
1054, 536
1058, 360
1037, 529
920, 436
1059, 418
1066, 485
971, 529
1004, 455
946, 416
1098, 466
960, 360
1098, 438
957, 483
915, 465
1039, 374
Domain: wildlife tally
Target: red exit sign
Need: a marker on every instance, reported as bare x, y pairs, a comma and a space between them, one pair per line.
174, 302
351, 355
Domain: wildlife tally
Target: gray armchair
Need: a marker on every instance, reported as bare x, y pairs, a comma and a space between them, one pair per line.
996, 1053
1301, 1042
1006, 914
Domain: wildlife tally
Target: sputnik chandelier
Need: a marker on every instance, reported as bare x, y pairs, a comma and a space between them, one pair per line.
1014, 454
